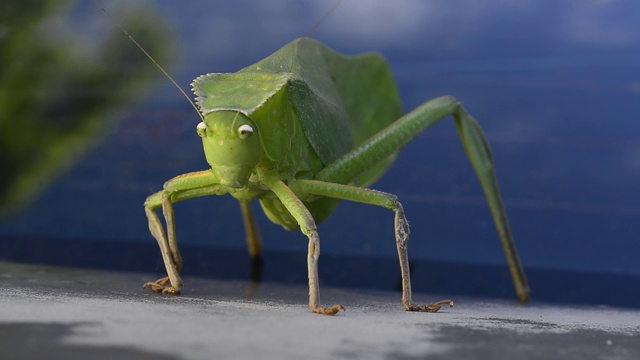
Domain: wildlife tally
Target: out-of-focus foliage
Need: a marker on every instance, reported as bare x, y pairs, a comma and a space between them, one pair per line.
63, 75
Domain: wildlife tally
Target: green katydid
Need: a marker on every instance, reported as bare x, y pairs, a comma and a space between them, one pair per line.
301, 130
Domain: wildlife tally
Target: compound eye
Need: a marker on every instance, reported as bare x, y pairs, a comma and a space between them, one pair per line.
202, 129
245, 131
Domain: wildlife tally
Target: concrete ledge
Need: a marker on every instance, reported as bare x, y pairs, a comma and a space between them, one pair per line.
67, 313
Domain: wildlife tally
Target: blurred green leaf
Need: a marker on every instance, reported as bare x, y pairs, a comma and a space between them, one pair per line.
61, 83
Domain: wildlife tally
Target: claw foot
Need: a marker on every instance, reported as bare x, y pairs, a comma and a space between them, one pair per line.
328, 311
160, 286
429, 308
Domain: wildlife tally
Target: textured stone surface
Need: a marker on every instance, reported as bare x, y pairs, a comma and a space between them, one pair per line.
82, 314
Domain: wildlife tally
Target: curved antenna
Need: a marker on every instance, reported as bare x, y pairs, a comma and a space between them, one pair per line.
311, 30
115, 22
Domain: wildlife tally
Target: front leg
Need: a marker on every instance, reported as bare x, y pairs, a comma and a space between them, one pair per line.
308, 227
180, 188
314, 288
172, 260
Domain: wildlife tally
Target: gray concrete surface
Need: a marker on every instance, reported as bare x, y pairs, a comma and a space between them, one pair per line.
49, 312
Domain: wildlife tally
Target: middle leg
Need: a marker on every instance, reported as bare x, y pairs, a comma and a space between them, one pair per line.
401, 226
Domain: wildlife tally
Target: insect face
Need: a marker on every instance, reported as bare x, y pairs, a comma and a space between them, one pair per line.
231, 146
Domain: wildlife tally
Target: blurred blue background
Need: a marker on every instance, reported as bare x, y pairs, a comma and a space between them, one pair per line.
555, 85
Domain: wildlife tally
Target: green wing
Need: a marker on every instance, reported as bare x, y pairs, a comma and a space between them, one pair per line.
340, 100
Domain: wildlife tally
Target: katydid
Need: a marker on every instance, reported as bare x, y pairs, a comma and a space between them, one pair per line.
301, 130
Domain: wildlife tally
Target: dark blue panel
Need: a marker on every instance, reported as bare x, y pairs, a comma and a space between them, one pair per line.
555, 85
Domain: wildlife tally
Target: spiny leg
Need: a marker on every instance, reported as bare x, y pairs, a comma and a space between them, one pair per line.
172, 266
254, 244
180, 188
313, 255
401, 226
168, 245
308, 227
395, 136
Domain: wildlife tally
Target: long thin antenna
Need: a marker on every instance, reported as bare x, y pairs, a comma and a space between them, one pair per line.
175, 83
321, 20
115, 22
